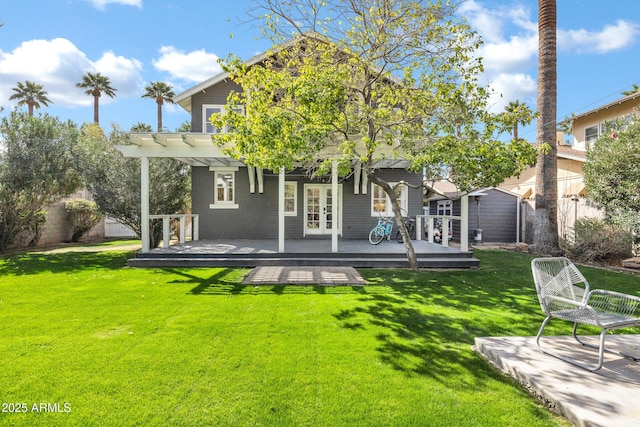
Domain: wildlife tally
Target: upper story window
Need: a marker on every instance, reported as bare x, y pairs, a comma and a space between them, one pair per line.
207, 111
380, 202
591, 135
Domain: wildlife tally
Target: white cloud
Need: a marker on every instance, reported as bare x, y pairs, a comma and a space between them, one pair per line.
516, 54
124, 73
58, 65
487, 24
610, 38
194, 66
102, 4
512, 87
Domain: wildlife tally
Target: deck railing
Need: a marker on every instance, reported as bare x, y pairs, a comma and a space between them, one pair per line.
166, 226
446, 219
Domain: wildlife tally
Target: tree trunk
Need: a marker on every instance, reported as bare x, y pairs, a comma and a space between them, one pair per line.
159, 101
545, 230
397, 214
96, 100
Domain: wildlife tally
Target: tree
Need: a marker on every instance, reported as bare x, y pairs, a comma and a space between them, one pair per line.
114, 181
545, 230
360, 83
96, 84
517, 113
141, 127
31, 94
634, 89
184, 126
161, 93
38, 166
82, 215
613, 181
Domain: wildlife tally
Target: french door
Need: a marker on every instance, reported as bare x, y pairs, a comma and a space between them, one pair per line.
321, 208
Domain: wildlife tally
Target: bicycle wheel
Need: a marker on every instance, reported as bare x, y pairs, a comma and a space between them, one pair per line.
376, 235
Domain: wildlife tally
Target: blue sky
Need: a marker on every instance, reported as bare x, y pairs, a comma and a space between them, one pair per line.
134, 42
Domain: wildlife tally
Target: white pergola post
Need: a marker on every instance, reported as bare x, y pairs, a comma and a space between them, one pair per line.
464, 223
334, 206
144, 201
281, 211
445, 232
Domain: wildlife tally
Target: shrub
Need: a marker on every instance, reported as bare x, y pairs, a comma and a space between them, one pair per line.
83, 215
597, 241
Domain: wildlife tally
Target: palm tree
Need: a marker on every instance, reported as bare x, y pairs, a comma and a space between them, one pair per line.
545, 230
161, 92
96, 84
31, 94
633, 90
184, 126
141, 127
518, 113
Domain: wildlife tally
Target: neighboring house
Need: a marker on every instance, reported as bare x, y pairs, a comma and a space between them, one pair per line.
239, 201
494, 213
586, 128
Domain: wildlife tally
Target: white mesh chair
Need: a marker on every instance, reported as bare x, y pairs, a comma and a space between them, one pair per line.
564, 294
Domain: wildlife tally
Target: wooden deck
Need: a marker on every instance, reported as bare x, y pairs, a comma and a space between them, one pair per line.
302, 252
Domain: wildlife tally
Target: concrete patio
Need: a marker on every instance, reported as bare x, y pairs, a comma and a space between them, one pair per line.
607, 397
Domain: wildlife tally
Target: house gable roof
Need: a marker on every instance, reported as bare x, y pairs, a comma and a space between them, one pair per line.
184, 98
623, 100
566, 152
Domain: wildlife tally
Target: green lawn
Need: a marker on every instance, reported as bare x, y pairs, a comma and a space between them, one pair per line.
107, 345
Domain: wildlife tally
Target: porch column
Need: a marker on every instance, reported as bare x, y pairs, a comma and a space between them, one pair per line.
464, 223
144, 202
334, 206
281, 211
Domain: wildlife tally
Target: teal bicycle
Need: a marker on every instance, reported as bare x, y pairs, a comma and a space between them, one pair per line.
384, 227
381, 230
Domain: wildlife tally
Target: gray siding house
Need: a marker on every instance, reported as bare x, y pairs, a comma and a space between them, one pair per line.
310, 208
234, 200
493, 210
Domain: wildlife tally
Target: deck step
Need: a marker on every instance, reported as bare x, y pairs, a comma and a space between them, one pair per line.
458, 262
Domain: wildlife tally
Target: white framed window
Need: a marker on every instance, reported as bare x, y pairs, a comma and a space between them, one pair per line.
591, 135
380, 202
224, 188
290, 198
207, 111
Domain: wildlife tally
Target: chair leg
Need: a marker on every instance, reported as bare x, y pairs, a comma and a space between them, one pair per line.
567, 359
619, 353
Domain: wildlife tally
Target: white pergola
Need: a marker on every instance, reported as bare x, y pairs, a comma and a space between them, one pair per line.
200, 149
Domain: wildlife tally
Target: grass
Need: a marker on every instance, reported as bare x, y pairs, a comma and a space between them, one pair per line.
123, 346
